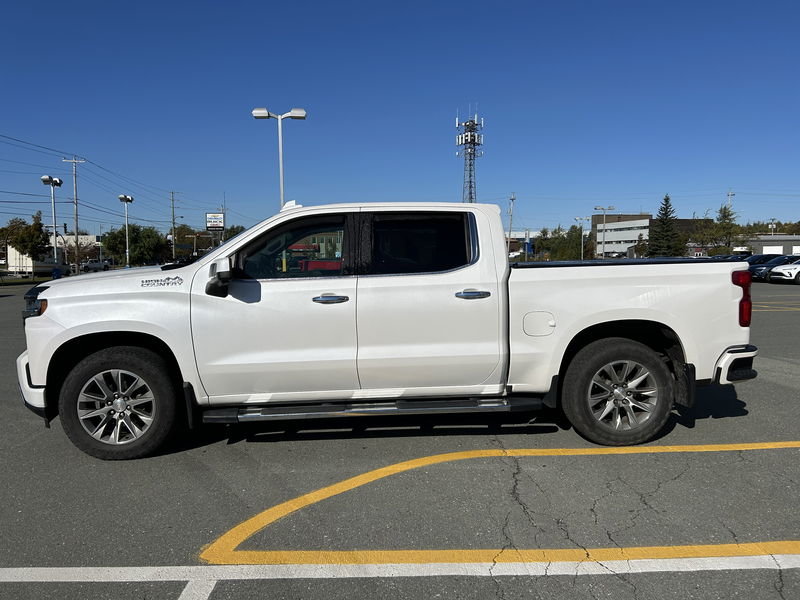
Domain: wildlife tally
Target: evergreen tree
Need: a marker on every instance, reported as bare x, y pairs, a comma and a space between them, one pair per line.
664, 238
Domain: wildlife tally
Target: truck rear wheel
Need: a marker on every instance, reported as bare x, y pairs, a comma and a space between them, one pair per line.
617, 392
118, 403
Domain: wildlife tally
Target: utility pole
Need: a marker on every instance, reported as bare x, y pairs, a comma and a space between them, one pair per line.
604, 209
172, 202
510, 219
527, 243
580, 221
730, 198
224, 218
75, 160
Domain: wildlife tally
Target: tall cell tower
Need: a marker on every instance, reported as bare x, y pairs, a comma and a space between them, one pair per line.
469, 138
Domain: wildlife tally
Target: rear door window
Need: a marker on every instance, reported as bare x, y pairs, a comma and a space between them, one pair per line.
425, 242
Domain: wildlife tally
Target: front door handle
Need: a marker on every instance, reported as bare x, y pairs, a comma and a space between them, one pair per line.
472, 294
330, 299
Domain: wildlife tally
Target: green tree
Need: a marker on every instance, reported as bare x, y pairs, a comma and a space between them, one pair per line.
147, 245
28, 238
664, 238
184, 241
566, 244
641, 247
543, 244
726, 230
232, 231
703, 233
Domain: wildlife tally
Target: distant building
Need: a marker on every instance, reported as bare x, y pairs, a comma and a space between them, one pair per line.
773, 244
21, 264
619, 233
622, 232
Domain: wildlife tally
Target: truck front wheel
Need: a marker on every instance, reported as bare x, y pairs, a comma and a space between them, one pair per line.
118, 403
617, 392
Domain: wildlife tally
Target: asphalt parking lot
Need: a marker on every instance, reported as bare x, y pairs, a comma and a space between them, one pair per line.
425, 508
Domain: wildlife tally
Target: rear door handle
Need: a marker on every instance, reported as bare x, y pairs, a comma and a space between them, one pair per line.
330, 299
472, 294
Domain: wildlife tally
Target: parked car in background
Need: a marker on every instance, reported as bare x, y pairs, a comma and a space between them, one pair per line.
760, 259
760, 272
787, 272
93, 266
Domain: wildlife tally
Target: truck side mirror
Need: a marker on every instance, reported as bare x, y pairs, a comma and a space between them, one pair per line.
220, 272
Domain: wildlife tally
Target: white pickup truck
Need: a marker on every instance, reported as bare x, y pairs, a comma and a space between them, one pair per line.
374, 309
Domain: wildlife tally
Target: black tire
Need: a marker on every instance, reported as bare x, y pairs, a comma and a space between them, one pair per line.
119, 403
797, 278
617, 392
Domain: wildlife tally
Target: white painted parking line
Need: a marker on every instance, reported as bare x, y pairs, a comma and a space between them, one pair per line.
198, 589
199, 575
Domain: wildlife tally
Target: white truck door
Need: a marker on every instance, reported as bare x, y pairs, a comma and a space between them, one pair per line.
286, 329
429, 307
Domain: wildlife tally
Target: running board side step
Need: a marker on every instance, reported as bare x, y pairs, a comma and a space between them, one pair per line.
246, 414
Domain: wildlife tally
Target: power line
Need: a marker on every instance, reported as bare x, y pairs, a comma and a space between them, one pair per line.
22, 162
30, 202
25, 145
8, 137
32, 172
113, 192
25, 194
125, 177
115, 182
26, 148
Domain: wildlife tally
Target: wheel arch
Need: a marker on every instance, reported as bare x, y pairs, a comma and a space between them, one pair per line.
655, 335
73, 351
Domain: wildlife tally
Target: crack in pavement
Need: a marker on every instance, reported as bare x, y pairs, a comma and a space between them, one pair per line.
560, 522
729, 530
500, 592
644, 499
778, 585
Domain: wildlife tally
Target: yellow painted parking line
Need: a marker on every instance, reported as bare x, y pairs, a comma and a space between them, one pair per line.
224, 551
507, 555
776, 305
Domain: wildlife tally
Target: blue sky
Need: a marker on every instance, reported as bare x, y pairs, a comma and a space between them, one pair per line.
585, 103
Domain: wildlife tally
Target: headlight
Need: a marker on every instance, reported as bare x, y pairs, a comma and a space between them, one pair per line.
34, 306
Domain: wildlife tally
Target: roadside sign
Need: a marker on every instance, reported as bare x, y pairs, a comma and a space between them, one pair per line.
215, 221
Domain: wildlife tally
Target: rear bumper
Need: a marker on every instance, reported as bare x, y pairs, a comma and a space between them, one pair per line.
736, 364
33, 396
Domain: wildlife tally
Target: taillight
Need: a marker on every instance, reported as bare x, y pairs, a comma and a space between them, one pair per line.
743, 280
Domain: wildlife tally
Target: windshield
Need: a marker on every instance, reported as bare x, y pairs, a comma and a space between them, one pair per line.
781, 260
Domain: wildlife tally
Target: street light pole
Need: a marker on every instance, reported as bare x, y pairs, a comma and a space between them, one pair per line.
126, 200
280, 156
604, 209
580, 221
53, 182
295, 113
